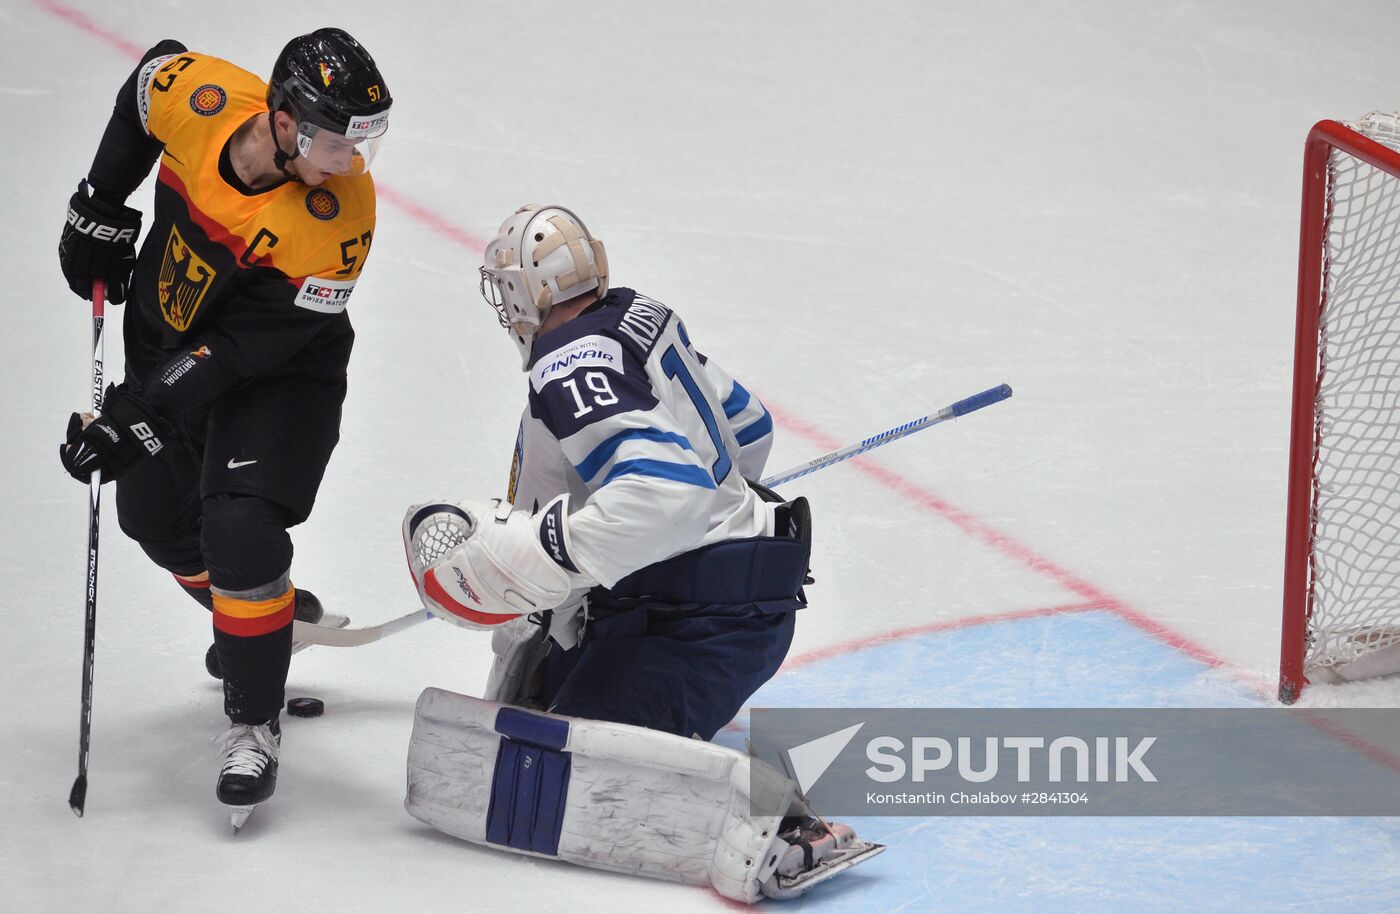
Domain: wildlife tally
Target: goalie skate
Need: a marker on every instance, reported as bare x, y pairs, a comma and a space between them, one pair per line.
816, 851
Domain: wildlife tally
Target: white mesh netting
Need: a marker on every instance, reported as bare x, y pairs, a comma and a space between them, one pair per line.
438, 534
1356, 484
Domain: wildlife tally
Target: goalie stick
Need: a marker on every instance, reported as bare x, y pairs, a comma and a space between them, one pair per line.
308, 633
961, 408
77, 797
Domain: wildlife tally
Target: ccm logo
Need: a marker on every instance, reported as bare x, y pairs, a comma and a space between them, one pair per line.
143, 433
551, 524
98, 230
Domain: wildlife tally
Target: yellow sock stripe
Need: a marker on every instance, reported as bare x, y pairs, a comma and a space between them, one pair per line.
251, 609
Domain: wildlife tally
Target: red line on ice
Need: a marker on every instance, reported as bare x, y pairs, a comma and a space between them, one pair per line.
80, 20
429, 219
947, 625
980, 530
817, 655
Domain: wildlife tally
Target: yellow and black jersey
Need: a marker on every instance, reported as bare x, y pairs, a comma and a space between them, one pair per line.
231, 283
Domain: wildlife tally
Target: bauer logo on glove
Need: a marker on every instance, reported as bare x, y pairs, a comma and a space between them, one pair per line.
98, 242
480, 564
113, 441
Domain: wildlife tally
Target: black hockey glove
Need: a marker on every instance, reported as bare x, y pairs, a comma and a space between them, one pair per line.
98, 242
126, 431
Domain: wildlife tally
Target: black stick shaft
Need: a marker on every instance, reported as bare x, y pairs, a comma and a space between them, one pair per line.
77, 797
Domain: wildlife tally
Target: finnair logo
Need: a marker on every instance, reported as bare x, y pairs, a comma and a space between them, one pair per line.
587, 352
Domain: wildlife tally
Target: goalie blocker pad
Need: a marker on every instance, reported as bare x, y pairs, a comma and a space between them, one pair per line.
602, 795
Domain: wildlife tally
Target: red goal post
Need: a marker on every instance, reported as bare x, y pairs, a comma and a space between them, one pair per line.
1341, 593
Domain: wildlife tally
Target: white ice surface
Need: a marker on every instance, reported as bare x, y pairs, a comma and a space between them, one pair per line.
864, 210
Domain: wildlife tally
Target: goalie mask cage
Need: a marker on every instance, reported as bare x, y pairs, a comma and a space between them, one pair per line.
1341, 593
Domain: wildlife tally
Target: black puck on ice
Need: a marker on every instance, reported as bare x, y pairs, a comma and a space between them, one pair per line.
306, 707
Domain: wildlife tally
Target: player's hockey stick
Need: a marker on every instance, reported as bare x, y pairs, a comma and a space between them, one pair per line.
307, 633
77, 797
961, 408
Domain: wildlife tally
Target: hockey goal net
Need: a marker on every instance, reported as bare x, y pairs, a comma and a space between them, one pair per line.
1341, 613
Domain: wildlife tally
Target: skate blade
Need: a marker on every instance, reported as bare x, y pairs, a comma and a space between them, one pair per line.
238, 816
783, 887
340, 622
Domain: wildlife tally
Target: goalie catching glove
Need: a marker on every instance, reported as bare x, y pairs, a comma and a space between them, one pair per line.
480, 564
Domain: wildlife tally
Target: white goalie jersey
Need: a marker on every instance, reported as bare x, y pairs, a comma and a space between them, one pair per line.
651, 440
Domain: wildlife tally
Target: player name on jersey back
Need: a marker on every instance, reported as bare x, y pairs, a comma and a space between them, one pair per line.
643, 322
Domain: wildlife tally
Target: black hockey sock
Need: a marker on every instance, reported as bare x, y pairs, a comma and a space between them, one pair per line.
198, 590
255, 673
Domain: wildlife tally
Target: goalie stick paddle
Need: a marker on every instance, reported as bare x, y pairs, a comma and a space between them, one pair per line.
308, 633
961, 408
77, 797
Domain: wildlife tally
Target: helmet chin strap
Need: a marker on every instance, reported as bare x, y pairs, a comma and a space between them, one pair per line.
280, 158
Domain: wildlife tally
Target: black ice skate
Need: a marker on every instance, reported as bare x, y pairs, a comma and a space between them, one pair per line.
249, 772
308, 609
815, 851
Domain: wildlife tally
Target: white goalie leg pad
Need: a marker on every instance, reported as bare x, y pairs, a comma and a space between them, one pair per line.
601, 795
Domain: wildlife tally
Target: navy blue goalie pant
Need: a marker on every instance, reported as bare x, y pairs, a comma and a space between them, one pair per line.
681, 645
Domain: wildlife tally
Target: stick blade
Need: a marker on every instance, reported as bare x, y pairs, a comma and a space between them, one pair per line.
77, 797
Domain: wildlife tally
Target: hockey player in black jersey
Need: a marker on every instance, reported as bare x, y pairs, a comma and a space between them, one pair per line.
236, 337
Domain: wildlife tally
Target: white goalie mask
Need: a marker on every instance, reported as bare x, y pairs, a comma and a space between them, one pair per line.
541, 256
